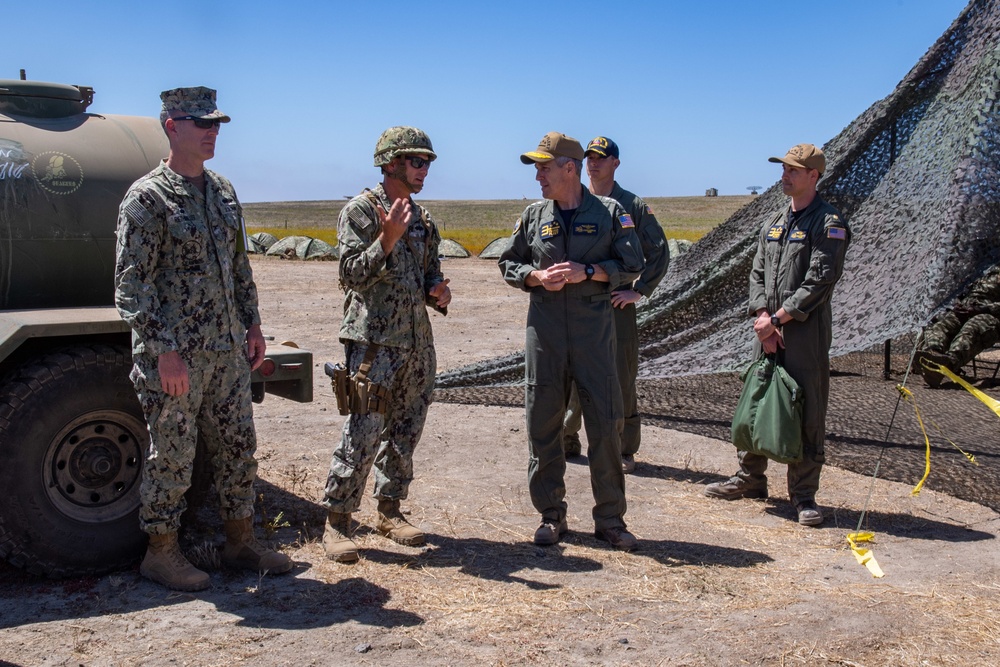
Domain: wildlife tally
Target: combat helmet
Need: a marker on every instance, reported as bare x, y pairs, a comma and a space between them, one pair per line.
402, 140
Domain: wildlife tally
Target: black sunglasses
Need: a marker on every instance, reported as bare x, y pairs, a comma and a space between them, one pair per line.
201, 123
417, 162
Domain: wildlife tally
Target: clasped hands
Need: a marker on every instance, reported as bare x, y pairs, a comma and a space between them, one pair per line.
559, 275
770, 336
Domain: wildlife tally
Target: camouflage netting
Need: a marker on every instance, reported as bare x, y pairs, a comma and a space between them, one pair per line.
917, 177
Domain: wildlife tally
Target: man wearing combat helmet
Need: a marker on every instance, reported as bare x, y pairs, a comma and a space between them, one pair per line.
391, 274
183, 283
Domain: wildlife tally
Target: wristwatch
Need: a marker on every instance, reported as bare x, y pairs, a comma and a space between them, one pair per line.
775, 321
589, 270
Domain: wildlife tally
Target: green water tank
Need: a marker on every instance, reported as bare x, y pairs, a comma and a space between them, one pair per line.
63, 174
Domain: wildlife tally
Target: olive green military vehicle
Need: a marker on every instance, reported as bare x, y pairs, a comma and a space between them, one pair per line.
72, 436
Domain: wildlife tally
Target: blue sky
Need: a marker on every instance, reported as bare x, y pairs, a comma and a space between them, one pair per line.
697, 95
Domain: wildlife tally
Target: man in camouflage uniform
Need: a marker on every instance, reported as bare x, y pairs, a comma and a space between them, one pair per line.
391, 273
602, 161
800, 258
956, 337
183, 283
569, 252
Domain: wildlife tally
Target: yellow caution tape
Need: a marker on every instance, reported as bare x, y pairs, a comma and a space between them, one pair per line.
989, 401
865, 556
908, 397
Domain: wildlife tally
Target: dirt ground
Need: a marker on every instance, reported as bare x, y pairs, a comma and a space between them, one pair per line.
714, 583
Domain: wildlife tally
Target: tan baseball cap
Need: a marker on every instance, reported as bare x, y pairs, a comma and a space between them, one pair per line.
553, 145
804, 156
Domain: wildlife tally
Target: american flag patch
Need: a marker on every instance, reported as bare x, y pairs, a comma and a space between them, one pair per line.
626, 221
836, 233
135, 210
649, 209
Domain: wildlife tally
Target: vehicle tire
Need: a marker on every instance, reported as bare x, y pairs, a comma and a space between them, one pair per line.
72, 443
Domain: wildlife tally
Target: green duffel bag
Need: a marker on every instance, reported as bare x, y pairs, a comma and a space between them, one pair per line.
768, 418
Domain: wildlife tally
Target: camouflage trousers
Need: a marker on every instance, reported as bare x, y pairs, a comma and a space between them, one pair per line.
218, 409
962, 336
383, 441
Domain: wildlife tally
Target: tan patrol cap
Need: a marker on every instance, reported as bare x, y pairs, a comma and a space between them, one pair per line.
553, 145
804, 156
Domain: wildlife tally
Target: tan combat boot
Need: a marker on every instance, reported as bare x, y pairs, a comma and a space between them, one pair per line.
337, 542
394, 525
165, 564
242, 550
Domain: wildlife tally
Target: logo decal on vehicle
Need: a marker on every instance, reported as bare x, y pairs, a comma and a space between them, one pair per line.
57, 173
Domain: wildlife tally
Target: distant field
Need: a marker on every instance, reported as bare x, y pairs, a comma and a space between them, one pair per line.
474, 223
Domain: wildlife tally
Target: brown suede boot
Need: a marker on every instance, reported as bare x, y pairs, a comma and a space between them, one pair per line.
337, 542
394, 525
165, 564
242, 550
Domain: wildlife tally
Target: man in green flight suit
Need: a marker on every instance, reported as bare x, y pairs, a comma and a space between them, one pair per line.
569, 252
602, 161
800, 258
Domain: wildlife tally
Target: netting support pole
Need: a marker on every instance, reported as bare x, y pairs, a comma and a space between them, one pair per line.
887, 360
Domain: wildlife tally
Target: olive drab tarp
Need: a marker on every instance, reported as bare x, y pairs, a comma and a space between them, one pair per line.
261, 242
678, 247
452, 248
495, 248
917, 175
303, 247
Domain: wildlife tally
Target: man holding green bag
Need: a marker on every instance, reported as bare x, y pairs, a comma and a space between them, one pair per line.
800, 258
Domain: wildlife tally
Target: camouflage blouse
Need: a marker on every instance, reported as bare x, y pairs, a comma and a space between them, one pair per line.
182, 277
386, 295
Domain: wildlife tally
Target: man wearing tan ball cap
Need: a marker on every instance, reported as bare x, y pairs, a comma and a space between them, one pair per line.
800, 258
569, 252
803, 156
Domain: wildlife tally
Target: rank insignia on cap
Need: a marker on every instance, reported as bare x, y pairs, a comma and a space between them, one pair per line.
626, 221
549, 229
836, 233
